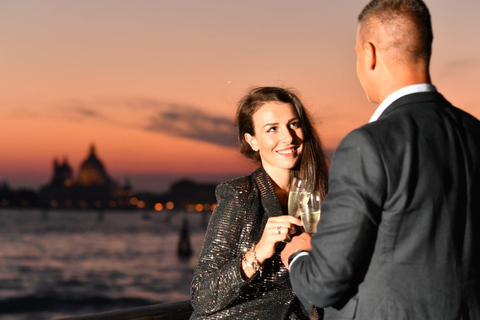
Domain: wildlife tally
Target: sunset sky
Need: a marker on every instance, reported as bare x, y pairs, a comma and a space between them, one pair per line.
154, 84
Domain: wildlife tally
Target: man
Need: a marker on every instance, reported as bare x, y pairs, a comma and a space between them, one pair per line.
399, 236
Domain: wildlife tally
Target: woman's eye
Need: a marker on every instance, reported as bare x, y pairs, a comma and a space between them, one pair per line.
295, 124
272, 129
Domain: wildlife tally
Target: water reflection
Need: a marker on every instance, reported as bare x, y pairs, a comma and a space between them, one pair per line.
69, 263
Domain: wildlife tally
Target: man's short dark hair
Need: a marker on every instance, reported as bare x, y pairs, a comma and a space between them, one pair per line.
396, 15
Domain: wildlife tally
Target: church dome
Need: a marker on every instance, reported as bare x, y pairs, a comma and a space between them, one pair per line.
92, 172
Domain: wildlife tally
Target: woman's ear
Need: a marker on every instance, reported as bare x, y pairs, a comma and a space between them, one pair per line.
251, 141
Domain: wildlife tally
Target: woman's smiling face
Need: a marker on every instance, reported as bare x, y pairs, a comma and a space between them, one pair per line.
278, 136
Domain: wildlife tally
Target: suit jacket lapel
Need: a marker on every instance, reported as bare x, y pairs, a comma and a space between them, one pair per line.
268, 197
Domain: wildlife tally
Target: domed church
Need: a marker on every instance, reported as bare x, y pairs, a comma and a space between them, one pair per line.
93, 187
92, 172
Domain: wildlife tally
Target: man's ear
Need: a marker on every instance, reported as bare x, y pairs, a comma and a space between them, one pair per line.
251, 141
370, 55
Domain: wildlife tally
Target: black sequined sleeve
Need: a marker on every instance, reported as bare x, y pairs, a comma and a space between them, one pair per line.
217, 279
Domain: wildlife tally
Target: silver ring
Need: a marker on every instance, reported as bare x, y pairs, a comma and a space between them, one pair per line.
278, 229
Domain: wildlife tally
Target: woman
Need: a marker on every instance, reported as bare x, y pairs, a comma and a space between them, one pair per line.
239, 274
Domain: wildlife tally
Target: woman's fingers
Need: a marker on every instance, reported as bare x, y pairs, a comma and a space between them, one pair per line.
285, 219
282, 225
277, 229
282, 229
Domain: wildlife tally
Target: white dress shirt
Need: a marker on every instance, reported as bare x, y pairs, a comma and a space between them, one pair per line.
414, 88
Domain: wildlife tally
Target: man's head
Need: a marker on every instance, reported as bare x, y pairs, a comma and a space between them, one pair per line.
394, 43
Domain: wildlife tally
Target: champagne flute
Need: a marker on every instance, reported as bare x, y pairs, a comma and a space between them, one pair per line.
310, 210
298, 187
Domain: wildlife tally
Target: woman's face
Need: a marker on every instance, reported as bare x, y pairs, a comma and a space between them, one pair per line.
278, 136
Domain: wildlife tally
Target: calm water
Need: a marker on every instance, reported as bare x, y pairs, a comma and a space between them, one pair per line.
73, 263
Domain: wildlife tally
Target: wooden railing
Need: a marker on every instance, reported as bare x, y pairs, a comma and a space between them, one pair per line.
165, 311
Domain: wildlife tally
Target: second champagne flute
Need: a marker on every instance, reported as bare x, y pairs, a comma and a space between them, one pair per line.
310, 210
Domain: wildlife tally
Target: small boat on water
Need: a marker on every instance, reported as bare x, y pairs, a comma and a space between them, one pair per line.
184, 249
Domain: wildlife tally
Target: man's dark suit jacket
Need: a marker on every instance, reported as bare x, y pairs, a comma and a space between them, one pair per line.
399, 235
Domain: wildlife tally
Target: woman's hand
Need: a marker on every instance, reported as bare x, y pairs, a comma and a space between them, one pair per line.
276, 230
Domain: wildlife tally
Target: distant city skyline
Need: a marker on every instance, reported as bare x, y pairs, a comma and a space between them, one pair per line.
154, 84
140, 183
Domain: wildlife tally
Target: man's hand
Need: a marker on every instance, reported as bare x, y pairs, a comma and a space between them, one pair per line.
301, 242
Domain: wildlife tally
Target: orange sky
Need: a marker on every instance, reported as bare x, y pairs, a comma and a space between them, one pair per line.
154, 84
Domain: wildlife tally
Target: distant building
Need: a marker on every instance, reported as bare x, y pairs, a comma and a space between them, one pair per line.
93, 188
22, 198
185, 194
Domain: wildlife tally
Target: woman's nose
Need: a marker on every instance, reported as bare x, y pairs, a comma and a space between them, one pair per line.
287, 136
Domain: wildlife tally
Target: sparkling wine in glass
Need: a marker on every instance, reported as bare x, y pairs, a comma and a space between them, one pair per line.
310, 210
298, 188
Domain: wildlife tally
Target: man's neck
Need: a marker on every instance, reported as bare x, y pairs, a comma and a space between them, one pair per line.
400, 78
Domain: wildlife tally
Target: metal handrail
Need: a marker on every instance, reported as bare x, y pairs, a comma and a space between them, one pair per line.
171, 311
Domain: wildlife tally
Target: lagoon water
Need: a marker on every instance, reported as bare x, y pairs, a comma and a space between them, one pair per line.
68, 263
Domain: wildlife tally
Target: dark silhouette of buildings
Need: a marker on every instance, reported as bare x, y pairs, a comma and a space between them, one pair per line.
183, 194
92, 188
22, 198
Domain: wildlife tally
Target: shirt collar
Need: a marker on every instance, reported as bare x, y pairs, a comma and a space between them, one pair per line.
415, 88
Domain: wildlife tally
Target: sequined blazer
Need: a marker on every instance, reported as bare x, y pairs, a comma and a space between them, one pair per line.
218, 290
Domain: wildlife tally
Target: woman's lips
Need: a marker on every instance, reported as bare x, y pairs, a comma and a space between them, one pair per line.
287, 152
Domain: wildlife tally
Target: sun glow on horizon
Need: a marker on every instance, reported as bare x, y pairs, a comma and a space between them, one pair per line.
154, 85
